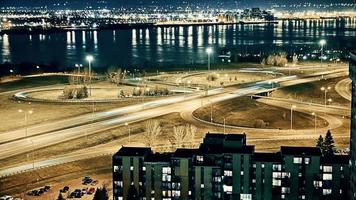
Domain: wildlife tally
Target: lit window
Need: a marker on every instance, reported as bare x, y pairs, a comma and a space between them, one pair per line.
327, 177
297, 160
276, 175
227, 188
166, 177
285, 174
263, 165
242, 173
276, 182
143, 168
326, 191
200, 158
227, 173
303, 196
277, 167
176, 193
166, 170
307, 161
131, 168
245, 196
318, 184
118, 183
201, 185
116, 168
285, 190
327, 169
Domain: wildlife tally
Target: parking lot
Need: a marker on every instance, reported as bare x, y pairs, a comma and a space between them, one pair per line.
76, 184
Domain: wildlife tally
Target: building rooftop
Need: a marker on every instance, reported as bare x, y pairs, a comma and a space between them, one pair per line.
300, 151
159, 157
226, 137
267, 157
133, 151
185, 153
336, 159
218, 149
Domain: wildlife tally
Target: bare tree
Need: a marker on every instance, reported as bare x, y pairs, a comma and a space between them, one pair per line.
178, 137
190, 133
153, 130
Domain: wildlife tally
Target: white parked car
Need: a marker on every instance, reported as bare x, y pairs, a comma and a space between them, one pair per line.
6, 198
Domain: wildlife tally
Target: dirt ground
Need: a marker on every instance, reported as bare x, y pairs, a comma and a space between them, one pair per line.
246, 112
311, 92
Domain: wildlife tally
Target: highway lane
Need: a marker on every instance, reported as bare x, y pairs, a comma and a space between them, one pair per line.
93, 117
23, 145
343, 88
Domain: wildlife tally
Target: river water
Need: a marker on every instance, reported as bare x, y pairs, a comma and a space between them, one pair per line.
173, 46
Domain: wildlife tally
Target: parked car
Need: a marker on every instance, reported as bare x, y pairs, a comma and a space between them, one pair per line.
91, 190
64, 190
87, 181
84, 190
6, 197
94, 183
47, 188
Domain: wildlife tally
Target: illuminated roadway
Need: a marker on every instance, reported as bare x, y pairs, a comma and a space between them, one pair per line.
15, 142
343, 88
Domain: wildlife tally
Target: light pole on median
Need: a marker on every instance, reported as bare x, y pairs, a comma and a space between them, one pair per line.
127, 124
211, 111
78, 66
314, 114
26, 119
291, 116
90, 59
325, 90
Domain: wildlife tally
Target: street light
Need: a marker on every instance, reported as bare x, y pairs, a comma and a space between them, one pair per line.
322, 44
90, 59
325, 89
314, 114
291, 116
29, 112
78, 66
127, 124
209, 50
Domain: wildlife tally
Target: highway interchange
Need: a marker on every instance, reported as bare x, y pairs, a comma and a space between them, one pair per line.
46, 134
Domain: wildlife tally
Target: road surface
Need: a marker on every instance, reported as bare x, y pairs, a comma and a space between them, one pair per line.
60, 131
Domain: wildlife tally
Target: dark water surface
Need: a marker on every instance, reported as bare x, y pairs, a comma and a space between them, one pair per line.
173, 45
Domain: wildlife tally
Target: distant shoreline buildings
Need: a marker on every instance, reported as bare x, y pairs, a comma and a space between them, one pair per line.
27, 20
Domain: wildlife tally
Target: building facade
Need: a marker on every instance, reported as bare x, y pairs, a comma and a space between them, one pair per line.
352, 74
224, 167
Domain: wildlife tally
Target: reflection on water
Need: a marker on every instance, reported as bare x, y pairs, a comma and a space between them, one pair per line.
5, 48
174, 45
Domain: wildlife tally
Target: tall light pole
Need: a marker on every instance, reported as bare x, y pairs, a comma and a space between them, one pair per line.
224, 125
291, 116
325, 90
211, 111
322, 44
78, 66
314, 114
26, 119
127, 124
90, 59
209, 50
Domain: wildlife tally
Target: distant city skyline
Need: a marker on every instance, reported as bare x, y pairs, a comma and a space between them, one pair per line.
223, 4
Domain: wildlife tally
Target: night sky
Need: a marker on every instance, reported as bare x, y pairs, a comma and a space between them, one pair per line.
135, 3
